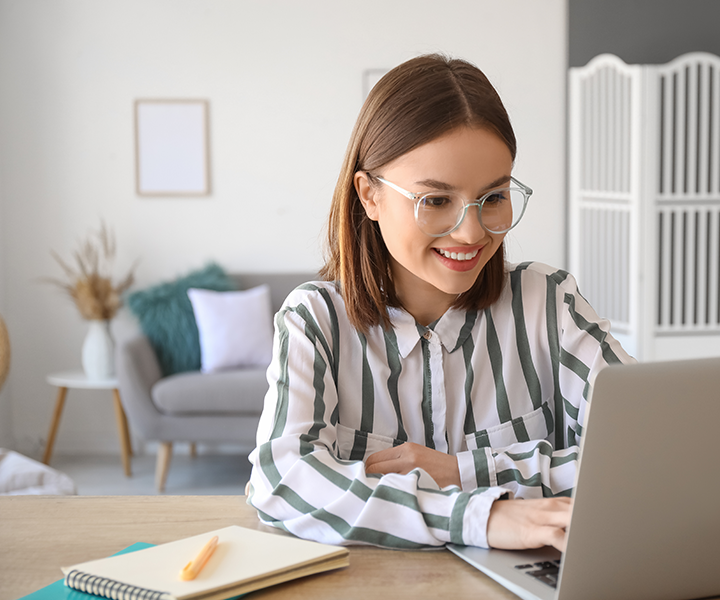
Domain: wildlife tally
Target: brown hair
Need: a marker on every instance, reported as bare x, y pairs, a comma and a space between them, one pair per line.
413, 104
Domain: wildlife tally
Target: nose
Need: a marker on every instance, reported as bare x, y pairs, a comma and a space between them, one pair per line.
470, 230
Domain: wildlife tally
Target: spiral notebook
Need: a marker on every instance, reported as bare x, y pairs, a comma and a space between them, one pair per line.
59, 591
244, 560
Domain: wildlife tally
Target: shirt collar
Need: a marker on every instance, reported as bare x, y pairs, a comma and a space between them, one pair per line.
452, 329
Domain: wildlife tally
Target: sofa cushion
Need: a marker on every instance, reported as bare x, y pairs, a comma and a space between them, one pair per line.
238, 392
236, 328
166, 317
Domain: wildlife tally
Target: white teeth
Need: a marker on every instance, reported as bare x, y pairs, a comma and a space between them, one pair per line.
457, 255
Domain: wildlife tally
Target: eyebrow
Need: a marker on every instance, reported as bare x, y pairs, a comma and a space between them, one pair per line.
443, 186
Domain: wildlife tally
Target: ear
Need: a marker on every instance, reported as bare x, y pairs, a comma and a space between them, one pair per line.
368, 195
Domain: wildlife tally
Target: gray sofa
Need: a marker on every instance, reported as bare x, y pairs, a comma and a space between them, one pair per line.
195, 407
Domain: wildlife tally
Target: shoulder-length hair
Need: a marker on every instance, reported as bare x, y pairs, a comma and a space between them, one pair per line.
413, 104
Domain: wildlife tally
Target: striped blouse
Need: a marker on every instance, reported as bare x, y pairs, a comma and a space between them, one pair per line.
505, 390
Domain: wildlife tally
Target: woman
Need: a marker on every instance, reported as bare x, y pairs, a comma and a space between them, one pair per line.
426, 379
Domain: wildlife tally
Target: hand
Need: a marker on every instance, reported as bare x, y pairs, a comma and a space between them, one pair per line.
519, 524
443, 468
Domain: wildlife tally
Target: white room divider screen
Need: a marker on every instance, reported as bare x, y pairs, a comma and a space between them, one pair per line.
645, 201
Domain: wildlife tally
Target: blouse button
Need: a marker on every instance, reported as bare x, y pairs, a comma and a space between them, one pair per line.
427, 335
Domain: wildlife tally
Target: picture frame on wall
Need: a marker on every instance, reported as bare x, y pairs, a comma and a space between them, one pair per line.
172, 154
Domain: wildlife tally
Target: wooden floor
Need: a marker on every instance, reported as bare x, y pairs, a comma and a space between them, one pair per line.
206, 474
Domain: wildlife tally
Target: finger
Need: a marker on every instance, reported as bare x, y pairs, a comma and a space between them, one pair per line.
555, 512
553, 504
389, 466
542, 535
383, 455
558, 516
556, 537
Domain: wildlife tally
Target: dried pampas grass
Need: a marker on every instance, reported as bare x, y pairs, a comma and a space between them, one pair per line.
89, 282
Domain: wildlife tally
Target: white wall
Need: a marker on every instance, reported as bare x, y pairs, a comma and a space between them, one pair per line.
284, 81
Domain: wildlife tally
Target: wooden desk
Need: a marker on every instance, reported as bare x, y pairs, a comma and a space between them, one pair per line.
38, 534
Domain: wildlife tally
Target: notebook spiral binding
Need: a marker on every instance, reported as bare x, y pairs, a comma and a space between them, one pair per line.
109, 588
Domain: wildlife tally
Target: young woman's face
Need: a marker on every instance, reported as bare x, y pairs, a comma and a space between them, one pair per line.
471, 161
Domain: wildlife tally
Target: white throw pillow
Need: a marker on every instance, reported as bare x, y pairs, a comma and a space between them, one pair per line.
235, 328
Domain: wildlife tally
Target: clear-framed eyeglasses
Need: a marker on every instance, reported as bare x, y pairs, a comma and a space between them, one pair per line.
440, 213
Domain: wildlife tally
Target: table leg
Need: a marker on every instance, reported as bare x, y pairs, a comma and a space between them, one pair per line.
116, 394
125, 448
59, 404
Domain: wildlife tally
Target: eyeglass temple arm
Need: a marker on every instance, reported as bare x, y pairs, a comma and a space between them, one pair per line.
397, 188
524, 188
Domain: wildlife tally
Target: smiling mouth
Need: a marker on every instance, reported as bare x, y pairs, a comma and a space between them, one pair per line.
457, 255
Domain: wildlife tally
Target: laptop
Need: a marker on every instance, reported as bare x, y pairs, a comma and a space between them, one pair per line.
646, 515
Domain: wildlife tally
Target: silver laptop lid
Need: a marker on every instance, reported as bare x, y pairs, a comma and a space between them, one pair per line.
646, 521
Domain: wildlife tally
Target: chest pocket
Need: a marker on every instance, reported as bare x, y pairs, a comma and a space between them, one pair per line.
536, 425
353, 444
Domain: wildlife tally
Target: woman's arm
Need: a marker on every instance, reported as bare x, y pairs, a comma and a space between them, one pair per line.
299, 484
513, 524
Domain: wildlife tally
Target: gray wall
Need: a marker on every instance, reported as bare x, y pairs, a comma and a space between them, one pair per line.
642, 31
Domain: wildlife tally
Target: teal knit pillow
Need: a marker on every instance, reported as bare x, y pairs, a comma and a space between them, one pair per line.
167, 319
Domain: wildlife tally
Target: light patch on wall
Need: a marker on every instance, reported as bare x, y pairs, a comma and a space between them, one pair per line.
171, 148
370, 78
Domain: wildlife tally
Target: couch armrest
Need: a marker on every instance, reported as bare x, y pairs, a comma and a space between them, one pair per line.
138, 371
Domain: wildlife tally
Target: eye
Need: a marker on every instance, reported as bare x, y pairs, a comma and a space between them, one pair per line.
497, 197
437, 201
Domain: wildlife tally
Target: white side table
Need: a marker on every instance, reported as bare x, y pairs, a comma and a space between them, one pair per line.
77, 379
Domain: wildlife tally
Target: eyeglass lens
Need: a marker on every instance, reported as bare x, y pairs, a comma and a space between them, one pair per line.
438, 214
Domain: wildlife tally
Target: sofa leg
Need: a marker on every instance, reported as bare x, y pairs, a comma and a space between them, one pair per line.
163, 465
193, 450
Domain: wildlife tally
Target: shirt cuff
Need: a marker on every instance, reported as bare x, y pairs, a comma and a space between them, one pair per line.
477, 513
466, 466
477, 469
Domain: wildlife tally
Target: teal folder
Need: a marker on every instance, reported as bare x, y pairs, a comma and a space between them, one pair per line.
59, 591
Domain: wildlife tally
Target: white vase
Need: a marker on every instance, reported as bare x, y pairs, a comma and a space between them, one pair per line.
98, 351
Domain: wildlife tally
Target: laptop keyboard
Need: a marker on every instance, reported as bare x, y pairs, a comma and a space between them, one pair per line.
547, 571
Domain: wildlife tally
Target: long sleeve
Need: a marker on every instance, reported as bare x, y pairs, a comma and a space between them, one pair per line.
298, 482
541, 460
